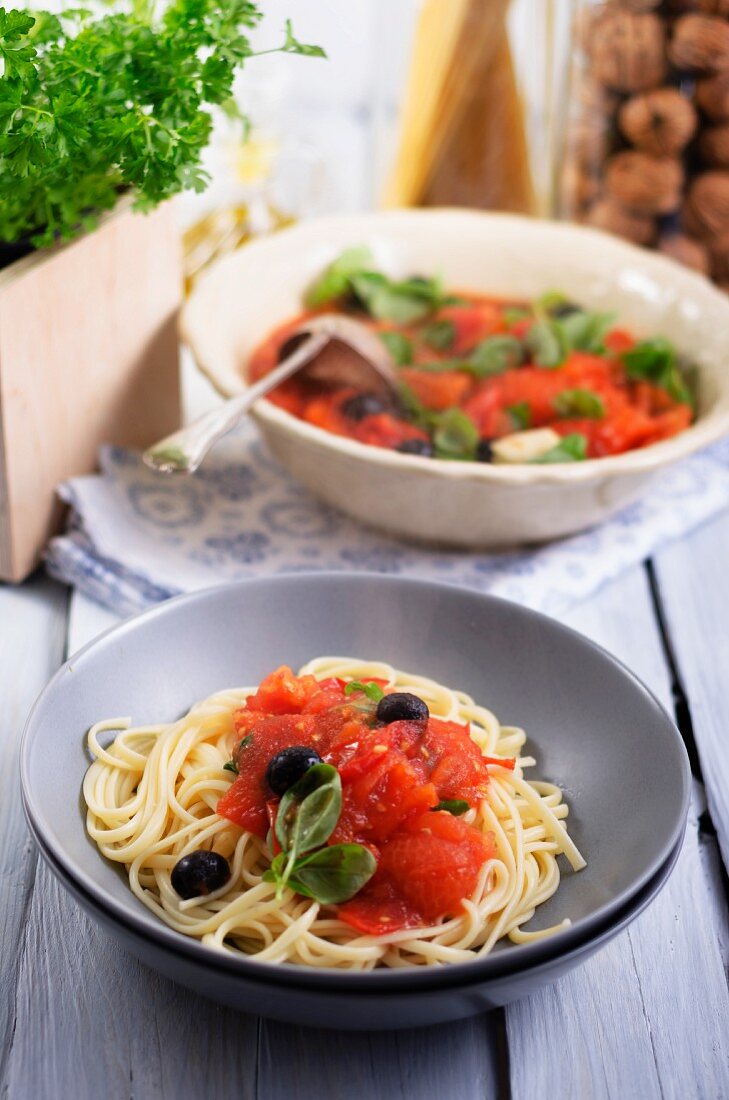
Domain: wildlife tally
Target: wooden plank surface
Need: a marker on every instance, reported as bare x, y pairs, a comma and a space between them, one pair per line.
693, 580
32, 639
646, 1017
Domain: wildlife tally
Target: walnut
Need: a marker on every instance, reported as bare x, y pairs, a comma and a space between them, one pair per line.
708, 7
706, 210
660, 122
634, 5
712, 96
627, 52
578, 188
648, 185
714, 146
700, 43
719, 254
687, 251
610, 216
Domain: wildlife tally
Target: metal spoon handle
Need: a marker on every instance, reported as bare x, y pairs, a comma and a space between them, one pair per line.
183, 451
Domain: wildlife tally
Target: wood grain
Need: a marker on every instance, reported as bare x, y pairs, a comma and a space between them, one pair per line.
32, 638
646, 1017
88, 354
694, 586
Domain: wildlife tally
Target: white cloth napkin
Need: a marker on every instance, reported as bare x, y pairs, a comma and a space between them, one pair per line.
135, 538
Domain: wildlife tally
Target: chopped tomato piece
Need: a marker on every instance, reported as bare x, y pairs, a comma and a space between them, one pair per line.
437, 390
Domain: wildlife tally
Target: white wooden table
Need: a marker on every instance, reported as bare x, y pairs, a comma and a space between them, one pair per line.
647, 1017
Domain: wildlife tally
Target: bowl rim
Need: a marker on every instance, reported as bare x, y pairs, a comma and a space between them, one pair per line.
499, 963
707, 429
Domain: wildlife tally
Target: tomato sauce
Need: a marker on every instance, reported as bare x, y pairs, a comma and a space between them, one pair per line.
393, 778
631, 412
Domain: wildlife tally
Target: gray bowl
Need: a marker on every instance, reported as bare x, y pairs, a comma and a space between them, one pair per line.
593, 727
354, 1009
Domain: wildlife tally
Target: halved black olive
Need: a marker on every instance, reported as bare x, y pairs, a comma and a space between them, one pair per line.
200, 873
362, 405
484, 451
287, 767
401, 706
416, 447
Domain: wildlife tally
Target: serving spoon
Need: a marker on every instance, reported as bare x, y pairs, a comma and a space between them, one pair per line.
330, 348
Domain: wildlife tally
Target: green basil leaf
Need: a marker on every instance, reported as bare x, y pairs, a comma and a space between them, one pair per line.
367, 687
521, 415
455, 806
415, 409
455, 435
439, 335
334, 874
386, 301
515, 314
546, 343
309, 811
656, 361
586, 331
579, 402
230, 766
399, 347
553, 301
496, 355
572, 448
335, 282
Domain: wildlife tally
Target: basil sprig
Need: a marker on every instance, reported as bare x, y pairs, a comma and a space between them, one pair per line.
306, 818
439, 335
520, 415
369, 688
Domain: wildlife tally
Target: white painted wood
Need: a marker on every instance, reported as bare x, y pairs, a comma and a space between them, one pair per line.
694, 584
32, 638
646, 1017
94, 1024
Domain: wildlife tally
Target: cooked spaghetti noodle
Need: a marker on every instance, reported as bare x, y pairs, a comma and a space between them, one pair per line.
152, 797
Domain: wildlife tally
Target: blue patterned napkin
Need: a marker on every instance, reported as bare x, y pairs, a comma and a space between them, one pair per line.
135, 538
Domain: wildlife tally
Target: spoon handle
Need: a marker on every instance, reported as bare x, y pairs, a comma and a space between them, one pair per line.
183, 451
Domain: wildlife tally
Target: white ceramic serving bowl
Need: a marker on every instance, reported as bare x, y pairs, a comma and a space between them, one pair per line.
464, 504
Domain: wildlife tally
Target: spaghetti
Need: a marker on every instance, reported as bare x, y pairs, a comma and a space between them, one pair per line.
152, 796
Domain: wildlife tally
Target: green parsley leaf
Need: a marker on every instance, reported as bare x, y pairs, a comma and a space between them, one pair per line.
455, 435
579, 402
439, 335
98, 105
372, 690
455, 806
292, 45
399, 347
521, 415
572, 448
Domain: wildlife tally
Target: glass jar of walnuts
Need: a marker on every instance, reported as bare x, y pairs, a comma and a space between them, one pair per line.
646, 145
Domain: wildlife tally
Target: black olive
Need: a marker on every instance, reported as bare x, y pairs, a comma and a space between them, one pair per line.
564, 309
416, 447
290, 345
362, 405
484, 451
287, 767
401, 706
200, 873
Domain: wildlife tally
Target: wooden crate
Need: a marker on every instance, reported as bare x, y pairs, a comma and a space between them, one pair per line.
88, 355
